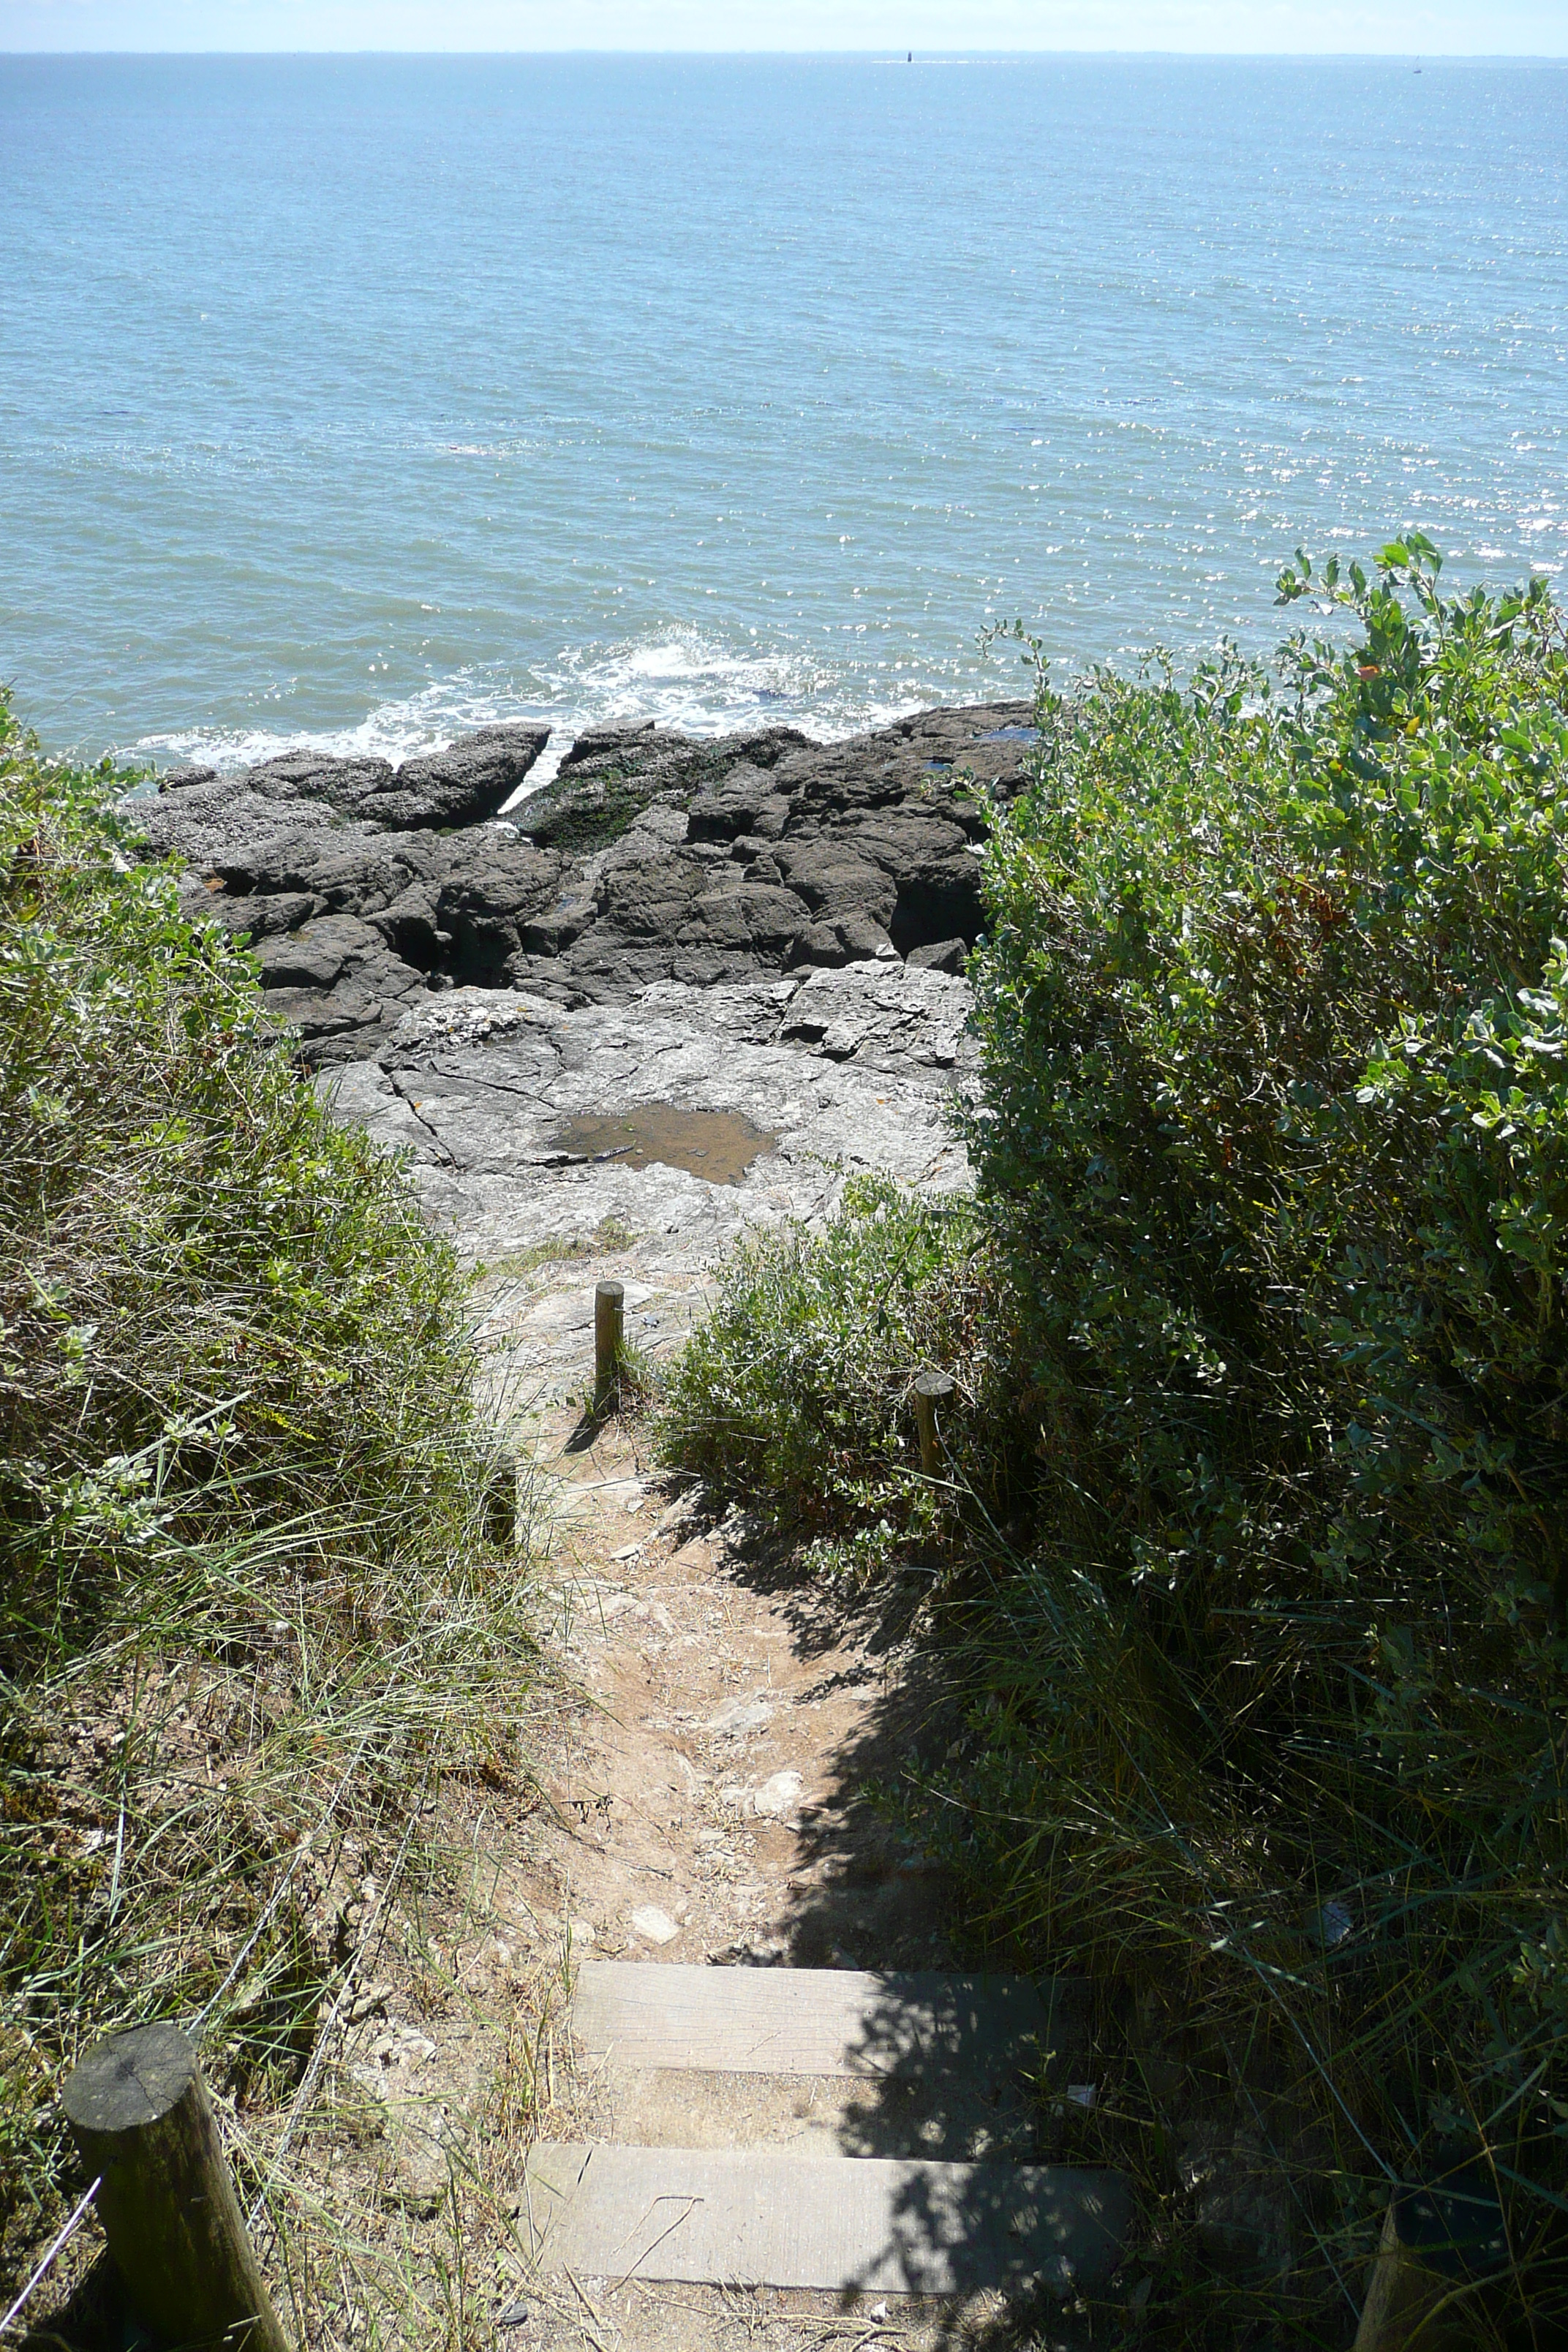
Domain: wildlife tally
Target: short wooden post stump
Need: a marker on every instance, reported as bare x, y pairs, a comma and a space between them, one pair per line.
1437, 2242
143, 2122
609, 1338
931, 1388
500, 1505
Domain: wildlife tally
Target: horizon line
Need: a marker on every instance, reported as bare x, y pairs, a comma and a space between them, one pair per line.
894, 52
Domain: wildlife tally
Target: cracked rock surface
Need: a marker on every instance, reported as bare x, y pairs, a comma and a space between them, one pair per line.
650, 857
840, 1070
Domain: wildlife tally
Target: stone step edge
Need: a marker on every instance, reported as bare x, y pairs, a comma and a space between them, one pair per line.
820, 2021
867, 2224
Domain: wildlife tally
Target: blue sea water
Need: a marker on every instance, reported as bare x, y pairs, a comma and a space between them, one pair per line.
360, 400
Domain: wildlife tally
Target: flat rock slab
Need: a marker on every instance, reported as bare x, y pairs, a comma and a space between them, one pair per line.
812, 2021
755, 2218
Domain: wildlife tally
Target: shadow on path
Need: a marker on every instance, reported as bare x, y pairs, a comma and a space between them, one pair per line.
965, 2057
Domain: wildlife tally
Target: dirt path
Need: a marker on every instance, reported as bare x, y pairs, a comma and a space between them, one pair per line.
708, 1794
710, 1798
710, 1804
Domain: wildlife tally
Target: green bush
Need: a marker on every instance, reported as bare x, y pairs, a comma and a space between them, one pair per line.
1275, 1139
1267, 1691
794, 1396
242, 1482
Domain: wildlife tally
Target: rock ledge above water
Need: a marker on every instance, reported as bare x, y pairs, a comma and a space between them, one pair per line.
651, 857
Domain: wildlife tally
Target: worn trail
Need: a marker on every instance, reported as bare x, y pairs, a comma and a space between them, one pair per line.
788, 2112
782, 2114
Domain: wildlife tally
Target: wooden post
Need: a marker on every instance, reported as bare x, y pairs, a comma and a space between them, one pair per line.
931, 1388
609, 1337
142, 2118
500, 1505
1437, 2241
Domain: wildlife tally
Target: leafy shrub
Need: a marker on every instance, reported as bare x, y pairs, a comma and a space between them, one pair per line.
1275, 1139
794, 1396
247, 1593
1267, 1692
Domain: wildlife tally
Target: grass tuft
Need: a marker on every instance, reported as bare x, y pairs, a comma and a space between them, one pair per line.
249, 1617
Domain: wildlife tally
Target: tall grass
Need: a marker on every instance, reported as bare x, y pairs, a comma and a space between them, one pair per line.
1257, 1595
248, 1612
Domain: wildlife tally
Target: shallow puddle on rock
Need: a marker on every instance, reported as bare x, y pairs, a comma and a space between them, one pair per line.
718, 1145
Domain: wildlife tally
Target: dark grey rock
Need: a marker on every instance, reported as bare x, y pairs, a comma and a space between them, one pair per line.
944, 955
651, 859
318, 955
486, 904
849, 938
834, 878
411, 926
223, 824
1244, 2214
610, 777
260, 918
598, 743
462, 785
336, 983
222, 827
755, 919
747, 802
307, 775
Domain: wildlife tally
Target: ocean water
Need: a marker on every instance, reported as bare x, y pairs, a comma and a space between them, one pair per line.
361, 400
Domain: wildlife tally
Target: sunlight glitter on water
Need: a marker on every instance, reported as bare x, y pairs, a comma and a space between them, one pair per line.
751, 396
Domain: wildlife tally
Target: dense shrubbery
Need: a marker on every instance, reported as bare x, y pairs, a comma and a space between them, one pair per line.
795, 1392
242, 1477
1272, 1148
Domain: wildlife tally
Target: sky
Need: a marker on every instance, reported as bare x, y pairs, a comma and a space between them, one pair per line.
1427, 28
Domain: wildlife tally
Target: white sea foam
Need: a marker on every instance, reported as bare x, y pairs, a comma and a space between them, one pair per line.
679, 677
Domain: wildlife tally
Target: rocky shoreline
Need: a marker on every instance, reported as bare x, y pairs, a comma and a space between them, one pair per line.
757, 930
650, 857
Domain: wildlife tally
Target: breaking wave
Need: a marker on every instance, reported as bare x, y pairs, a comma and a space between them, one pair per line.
679, 678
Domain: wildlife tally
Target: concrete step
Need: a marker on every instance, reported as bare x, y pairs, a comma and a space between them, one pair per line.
754, 2216
824, 2062
818, 2020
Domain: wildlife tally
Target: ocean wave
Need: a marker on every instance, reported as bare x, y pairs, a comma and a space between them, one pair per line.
680, 677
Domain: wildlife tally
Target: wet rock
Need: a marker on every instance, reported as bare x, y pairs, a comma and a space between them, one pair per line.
461, 785
611, 775
224, 820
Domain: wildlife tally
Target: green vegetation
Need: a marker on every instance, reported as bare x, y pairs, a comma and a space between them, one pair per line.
1255, 1550
611, 1233
249, 1613
578, 814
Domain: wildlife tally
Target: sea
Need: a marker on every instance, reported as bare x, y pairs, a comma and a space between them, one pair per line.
357, 401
